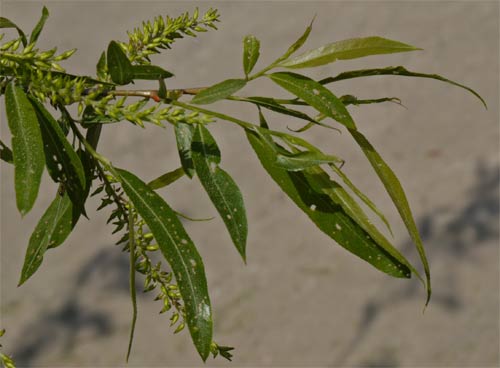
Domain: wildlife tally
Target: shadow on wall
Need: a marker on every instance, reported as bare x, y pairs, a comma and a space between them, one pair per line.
58, 329
456, 239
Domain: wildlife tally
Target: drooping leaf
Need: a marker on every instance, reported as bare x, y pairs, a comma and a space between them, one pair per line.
399, 71
149, 72
302, 160
361, 196
39, 26
184, 137
166, 179
180, 252
6, 153
271, 104
6, 23
251, 52
119, 66
315, 95
219, 91
132, 270
27, 146
307, 189
398, 196
346, 49
355, 212
220, 187
53, 228
63, 163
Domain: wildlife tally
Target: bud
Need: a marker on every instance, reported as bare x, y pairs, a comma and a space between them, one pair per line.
179, 328
174, 319
65, 55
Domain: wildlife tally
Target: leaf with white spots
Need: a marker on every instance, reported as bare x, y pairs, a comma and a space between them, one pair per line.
220, 187
180, 252
63, 163
314, 94
53, 228
184, 137
398, 196
251, 52
27, 147
310, 190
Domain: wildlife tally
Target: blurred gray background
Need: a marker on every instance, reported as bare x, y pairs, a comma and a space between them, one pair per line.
301, 300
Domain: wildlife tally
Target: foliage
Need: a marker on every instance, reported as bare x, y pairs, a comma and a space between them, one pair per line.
66, 146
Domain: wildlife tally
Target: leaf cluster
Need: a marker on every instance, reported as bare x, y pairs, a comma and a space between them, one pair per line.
66, 144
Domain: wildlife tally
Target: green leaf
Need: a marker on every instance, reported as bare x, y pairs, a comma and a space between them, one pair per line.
309, 189
219, 91
271, 104
102, 67
6, 153
149, 72
361, 196
53, 228
397, 194
39, 26
6, 23
315, 95
251, 53
399, 71
27, 146
302, 160
119, 66
297, 44
353, 210
63, 163
220, 187
180, 252
347, 49
184, 137
166, 179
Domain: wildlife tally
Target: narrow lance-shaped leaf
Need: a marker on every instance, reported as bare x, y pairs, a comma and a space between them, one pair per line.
396, 192
184, 137
307, 189
27, 146
53, 228
149, 72
6, 23
119, 66
315, 95
39, 26
166, 179
220, 187
180, 252
218, 91
271, 104
63, 163
297, 44
361, 196
251, 52
340, 195
398, 71
304, 159
347, 49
